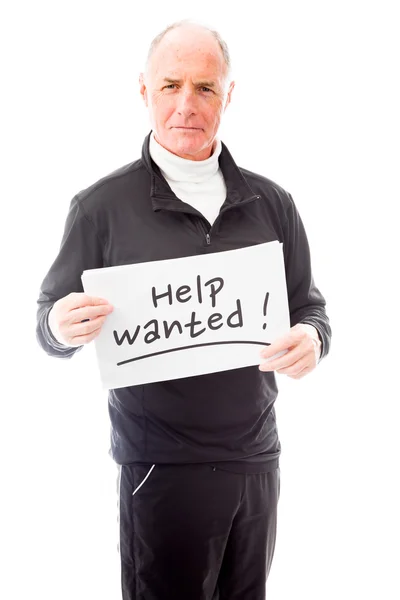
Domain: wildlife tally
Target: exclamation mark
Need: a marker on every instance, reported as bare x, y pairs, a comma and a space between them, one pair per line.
265, 308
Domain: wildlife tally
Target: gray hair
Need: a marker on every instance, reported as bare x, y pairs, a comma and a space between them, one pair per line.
223, 45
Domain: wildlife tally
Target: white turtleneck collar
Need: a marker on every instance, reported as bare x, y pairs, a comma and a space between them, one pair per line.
196, 182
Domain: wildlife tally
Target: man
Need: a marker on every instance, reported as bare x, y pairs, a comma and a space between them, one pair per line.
198, 457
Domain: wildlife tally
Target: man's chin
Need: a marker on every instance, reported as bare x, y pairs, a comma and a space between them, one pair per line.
186, 147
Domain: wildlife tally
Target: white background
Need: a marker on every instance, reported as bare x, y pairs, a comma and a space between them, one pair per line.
315, 108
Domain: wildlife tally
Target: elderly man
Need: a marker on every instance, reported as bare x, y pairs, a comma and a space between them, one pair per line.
198, 457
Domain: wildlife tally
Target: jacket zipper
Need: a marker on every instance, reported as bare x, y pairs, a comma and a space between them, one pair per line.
208, 233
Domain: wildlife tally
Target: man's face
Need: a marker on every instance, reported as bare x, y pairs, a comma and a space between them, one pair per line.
186, 93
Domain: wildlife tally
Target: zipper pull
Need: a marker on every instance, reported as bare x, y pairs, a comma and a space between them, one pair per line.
208, 239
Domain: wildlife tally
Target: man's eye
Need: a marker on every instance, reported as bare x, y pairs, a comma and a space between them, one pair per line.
172, 85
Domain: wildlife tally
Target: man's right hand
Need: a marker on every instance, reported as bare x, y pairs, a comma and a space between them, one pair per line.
67, 314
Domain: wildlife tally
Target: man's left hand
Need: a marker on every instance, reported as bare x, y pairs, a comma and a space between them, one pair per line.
303, 349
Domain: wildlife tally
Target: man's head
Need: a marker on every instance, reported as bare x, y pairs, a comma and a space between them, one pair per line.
186, 88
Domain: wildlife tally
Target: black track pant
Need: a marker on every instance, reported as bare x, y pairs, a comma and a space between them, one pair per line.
195, 532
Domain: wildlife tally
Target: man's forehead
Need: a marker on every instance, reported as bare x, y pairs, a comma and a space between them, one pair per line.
175, 64
196, 72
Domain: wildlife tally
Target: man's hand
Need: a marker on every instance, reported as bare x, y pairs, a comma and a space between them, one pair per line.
78, 318
303, 349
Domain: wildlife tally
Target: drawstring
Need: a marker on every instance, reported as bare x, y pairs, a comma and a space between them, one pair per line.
139, 486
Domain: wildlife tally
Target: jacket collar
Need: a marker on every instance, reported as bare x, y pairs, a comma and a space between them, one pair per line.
162, 196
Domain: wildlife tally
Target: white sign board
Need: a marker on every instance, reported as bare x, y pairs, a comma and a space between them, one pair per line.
189, 316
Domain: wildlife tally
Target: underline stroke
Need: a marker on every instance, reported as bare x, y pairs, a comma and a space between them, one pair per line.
124, 362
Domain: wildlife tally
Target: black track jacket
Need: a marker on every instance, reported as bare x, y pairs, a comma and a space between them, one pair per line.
132, 216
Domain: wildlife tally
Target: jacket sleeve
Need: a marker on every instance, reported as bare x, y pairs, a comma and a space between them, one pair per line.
306, 303
80, 249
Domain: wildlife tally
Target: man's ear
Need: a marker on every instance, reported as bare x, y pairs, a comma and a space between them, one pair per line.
230, 90
143, 88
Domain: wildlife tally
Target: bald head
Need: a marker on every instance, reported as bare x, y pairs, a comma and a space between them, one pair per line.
187, 30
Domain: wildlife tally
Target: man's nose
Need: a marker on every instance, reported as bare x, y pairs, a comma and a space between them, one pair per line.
186, 102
